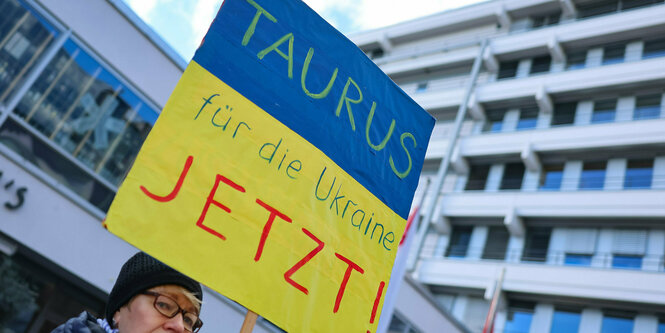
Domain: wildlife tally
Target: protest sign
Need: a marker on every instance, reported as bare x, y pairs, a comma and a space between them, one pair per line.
281, 170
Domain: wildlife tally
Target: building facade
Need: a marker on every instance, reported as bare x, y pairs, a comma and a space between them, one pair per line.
81, 84
555, 176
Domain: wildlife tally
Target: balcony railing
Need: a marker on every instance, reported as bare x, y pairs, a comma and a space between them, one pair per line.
650, 262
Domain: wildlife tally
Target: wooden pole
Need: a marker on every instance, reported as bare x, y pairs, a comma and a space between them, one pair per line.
250, 321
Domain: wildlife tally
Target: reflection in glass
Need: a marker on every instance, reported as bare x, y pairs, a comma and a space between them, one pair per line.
88, 112
639, 174
593, 176
617, 324
647, 107
626, 261
565, 322
53, 163
24, 36
551, 177
573, 259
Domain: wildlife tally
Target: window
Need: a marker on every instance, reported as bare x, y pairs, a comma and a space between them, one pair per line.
603, 111
573, 259
564, 113
626, 261
580, 245
507, 69
632, 4
593, 175
576, 60
541, 64
80, 124
536, 243
459, 241
494, 122
528, 118
628, 248
647, 106
551, 177
519, 317
614, 54
25, 37
513, 173
617, 322
661, 326
376, 53
497, 243
597, 8
422, 86
545, 20
639, 174
653, 48
400, 325
477, 177
565, 321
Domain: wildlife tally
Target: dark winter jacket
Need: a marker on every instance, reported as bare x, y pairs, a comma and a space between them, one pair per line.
84, 323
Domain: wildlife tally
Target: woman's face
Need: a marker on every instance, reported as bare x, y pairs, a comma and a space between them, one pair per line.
140, 315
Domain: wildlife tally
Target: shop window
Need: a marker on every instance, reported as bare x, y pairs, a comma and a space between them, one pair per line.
497, 243
576, 60
494, 122
654, 48
40, 300
647, 106
24, 37
536, 243
540, 64
508, 69
564, 113
519, 317
574, 259
528, 118
597, 8
593, 176
566, 321
551, 177
617, 322
639, 174
604, 111
513, 174
614, 54
477, 177
459, 241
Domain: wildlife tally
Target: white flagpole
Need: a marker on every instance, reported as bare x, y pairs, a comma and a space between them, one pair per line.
397, 275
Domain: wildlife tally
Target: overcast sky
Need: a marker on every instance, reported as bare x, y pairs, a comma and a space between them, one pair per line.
182, 24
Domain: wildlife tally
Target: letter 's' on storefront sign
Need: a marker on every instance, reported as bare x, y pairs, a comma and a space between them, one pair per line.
16, 193
281, 171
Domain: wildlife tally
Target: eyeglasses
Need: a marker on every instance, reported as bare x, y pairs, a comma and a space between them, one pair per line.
168, 307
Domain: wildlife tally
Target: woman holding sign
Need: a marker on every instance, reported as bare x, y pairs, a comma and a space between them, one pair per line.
148, 296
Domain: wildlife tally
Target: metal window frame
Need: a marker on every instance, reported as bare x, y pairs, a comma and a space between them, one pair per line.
6, 109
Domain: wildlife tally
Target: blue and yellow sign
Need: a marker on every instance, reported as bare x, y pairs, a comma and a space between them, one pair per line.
281, 171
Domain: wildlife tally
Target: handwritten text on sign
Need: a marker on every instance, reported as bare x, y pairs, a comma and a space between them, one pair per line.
260, 192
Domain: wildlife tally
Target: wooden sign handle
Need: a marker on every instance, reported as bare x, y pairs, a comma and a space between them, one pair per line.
250, 321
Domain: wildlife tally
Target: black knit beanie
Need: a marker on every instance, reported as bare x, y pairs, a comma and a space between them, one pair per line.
142, 272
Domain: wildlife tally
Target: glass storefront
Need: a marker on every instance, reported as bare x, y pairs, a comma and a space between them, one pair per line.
35, 299
76, 120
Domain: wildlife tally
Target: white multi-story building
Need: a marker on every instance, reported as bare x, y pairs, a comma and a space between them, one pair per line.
555, 175
81, 84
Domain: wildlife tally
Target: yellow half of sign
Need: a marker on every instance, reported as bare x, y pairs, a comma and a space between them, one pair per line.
230, 196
